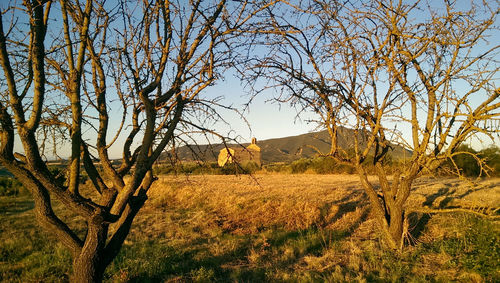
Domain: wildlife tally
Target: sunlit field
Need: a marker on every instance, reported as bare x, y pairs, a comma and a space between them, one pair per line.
276, 227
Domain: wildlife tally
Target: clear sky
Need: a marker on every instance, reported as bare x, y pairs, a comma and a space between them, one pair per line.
266, 119
272, 120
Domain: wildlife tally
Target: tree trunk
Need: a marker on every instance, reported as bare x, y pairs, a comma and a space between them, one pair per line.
391, 223
396, 226
394, 201
388, 207
86, 270
88, 265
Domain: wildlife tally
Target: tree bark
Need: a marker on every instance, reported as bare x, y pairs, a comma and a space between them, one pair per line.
388, 206
391, 222
396, 226
395, 214
87, 270
88, 264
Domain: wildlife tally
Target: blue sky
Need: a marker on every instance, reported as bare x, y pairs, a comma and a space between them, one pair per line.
266, 119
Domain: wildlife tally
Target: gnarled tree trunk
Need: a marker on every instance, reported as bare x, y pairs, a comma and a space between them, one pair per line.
388, 204
88, 264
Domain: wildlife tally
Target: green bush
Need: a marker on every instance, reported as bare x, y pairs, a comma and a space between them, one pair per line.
184, 168
279, 167
318, 165
163, 169
209, 168
469, 166
248, 167
10, 187
321, 165
60, 176
466, 163
492, 157
324, 165
301, 165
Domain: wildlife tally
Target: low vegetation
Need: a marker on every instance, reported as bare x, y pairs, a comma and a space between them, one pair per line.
466, 164
469, 166
10, 187
205, 168
273, 227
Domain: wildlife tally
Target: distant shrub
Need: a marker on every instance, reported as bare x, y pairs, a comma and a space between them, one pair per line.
466, 163
346, 169
191, 167
468, 166
324, 165
208, 168
10, 187
248, 167
163, 169
279, 167
318, 165
301, 165
492, 157
59, 174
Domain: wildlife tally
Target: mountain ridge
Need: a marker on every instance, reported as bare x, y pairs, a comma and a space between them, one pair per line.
284, 149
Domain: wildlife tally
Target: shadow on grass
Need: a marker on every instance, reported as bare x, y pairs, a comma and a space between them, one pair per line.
429, 200
448, 192
347, 204
155, 262
160, 262
15, 205
417, 223
253, 257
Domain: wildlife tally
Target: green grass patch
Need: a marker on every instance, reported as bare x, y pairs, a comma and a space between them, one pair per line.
9, 186
475, 246
28, 254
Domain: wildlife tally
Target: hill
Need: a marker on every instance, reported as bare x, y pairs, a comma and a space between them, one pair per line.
284, 149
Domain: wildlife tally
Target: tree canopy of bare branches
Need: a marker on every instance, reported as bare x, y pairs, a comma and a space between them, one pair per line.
418, 74
93, 73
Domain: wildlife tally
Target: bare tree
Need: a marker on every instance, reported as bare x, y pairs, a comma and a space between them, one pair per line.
421, 75
69, 67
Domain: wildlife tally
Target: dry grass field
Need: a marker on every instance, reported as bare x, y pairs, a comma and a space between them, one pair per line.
276, 227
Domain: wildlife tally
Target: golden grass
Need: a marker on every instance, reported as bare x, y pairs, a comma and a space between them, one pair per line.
244, 204
306, 227
209, 207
